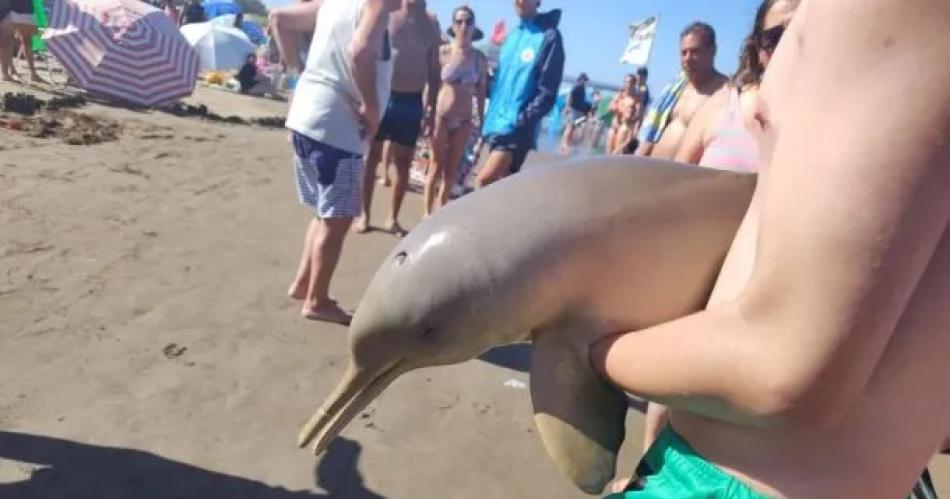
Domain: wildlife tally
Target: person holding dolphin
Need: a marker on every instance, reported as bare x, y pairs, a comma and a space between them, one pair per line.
810, 374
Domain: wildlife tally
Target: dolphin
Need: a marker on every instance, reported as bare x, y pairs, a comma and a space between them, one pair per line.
561, 255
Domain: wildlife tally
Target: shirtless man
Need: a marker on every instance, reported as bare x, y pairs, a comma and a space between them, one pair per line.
616, 106
416, 38
697, 59
814, 371
627, 115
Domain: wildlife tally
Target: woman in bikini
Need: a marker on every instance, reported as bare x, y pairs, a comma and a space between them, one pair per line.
464, 77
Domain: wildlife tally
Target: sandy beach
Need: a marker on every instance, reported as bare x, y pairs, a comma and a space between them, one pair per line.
149, 349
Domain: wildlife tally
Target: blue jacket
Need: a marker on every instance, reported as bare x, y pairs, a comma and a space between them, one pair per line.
530, 71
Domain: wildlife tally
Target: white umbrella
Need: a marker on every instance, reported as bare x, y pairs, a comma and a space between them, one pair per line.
219, 48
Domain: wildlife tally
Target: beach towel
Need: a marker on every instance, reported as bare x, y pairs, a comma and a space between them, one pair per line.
658, 116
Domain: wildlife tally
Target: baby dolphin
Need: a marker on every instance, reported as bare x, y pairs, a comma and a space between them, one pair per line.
561, 255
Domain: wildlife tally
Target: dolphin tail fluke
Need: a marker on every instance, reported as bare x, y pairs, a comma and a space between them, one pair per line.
579, 416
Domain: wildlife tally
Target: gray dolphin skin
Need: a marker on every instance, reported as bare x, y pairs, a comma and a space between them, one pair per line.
561, 255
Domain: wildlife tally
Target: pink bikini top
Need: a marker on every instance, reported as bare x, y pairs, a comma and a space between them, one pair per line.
732, 147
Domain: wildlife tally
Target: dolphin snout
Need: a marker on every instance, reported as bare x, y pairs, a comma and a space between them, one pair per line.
356, 390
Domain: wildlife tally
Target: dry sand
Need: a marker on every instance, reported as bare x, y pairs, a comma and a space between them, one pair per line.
149, 350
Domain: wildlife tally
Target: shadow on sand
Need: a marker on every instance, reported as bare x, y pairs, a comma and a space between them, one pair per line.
72, 470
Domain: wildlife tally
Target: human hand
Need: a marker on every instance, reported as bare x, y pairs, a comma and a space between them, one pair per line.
369, 117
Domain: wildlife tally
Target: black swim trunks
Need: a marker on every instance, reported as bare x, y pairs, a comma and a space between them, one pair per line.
518, 143
402, 122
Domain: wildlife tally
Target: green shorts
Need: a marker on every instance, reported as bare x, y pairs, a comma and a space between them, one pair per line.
671, 469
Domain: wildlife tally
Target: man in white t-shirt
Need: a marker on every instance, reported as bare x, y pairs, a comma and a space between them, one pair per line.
334, 111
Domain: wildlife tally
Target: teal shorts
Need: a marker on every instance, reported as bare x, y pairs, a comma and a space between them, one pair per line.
671, 469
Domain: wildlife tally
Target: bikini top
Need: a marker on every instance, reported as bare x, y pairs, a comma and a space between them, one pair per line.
461, 70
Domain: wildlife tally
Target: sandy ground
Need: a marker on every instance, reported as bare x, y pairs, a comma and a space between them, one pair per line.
149, 350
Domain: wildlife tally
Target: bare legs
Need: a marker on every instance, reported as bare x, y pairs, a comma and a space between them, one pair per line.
496, 166
402, 159
369, 183
26, 32
448, 147
289, 24
385, 180
321, 253
6, 49
568, 138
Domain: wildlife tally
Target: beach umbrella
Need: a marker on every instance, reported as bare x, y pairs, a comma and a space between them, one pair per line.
219, 48
123, 49
215, 8
253, 30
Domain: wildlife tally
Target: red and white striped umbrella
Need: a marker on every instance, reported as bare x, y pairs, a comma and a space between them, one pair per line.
124, 49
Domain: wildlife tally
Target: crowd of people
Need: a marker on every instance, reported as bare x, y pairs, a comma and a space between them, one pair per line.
377, 76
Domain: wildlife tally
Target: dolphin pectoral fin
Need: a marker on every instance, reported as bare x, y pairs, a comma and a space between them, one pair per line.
579, 416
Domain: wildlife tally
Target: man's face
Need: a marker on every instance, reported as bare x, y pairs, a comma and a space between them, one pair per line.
696, 57
526, 9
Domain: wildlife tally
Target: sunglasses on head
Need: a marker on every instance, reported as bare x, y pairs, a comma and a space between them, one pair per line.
769, 39
467, 21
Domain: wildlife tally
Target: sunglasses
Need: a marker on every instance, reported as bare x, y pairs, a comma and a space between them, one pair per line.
468, 22
769, 39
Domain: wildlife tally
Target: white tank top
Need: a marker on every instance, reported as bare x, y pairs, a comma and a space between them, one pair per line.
326, 99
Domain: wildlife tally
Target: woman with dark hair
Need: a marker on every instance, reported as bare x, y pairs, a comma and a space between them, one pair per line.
721, 135
464, 77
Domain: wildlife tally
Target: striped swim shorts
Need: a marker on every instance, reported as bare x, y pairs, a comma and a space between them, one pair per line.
328, 179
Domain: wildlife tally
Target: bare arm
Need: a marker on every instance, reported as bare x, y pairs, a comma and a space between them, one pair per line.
481, 88
434, 80
851, 221
363, 51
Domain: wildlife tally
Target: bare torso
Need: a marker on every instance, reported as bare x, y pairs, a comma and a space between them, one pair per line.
414, 35
686, 107
456, 98
899, 420
629, 109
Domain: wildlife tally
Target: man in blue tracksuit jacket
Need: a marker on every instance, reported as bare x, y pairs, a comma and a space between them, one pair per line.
530, 71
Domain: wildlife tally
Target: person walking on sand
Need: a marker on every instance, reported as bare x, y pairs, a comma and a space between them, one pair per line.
335, 110
530, 70
464, 76
411, 109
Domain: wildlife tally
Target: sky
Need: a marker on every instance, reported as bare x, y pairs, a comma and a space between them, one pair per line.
595, 31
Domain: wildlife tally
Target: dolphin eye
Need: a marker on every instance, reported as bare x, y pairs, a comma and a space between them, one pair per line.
400, 257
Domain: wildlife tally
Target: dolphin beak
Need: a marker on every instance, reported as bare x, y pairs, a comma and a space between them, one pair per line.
358, 388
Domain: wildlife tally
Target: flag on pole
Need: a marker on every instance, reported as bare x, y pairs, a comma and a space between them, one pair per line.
640, 44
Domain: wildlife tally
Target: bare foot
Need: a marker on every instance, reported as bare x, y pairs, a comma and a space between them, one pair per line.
394, 228
298, 290
361, 225
384, 181
330, 312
